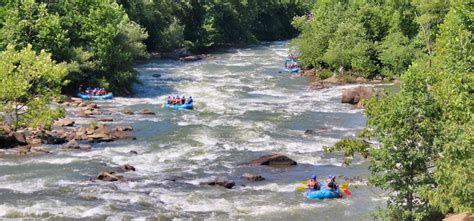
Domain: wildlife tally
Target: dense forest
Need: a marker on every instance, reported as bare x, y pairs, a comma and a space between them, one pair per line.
425, 157
99, 40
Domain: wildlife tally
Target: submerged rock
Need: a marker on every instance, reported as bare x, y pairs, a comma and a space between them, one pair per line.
147, 112
221, 181
274, 160
253, 177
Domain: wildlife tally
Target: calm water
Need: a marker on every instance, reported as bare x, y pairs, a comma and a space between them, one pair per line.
245, 108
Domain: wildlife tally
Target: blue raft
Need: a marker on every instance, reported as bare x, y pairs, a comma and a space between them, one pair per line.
178, 107
95, 97
291, 70
323, 194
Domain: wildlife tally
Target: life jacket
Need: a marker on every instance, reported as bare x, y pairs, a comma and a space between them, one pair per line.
313, 184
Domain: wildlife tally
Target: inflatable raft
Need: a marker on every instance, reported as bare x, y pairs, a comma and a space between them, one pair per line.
323, 194
291, 70
178, 107
95, 97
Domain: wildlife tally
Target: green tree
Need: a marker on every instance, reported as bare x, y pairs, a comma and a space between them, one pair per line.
425, 158
28, 83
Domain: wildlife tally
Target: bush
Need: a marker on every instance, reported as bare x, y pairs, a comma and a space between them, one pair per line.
325, 74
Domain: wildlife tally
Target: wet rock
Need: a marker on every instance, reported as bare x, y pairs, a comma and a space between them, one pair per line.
92, 105
106, 120
147, 112
355, 95
126, 111
109, 176
309, 132
466, 216
127, 167
55, 137
253, 177
100, 137
40, 149
34, 141
122, 135
20, 138
72, 145
156, 75
222, 181
122, 128
274, 160
85, 147
133, 152
192, 58
64, 123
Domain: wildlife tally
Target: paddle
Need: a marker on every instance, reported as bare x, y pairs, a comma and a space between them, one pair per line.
345, 188
303, 186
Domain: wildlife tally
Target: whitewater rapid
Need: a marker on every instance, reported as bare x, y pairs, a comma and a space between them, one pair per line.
244, 108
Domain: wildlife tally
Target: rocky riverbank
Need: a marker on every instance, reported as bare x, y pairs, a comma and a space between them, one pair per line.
66, 132
320, 81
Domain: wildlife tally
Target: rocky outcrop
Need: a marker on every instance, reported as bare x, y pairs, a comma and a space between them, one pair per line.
273, 160
356, 95
64, 122
466, 216
221, 181
253, 177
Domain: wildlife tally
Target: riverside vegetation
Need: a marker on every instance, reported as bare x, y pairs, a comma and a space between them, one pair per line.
425, 156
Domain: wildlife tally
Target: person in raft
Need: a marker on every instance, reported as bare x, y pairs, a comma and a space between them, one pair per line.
331, 183
190, 100
313, 183
179, 100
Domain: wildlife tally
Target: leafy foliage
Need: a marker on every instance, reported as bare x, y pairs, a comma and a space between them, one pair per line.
425, 158
28, 83
371, 38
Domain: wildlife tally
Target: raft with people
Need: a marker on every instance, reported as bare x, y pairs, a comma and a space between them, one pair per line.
291, 64
178, 103
325, 190
95, 94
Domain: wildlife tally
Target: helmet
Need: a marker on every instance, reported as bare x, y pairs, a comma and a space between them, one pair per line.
313, 177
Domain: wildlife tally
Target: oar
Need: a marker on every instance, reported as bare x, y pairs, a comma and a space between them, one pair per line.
345, 188
303, 186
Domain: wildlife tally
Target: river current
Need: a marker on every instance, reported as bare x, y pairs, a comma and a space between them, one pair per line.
244, 108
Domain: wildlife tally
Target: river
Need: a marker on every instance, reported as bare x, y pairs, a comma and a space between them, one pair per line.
244, 109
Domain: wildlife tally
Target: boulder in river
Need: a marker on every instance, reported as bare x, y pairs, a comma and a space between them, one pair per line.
72, 144
127, 167
274, 160
253, 177
109, 176
126, 111
221, 181
309, 132
355, 95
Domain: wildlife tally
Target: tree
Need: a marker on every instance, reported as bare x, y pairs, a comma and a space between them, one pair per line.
425, 158
28, 83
